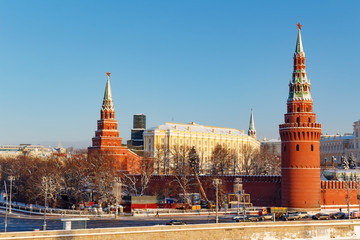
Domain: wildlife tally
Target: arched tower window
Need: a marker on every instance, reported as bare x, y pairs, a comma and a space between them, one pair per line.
309, 120
297, 147
284, 148
298, 109
298, 120
106, 115
109, 115
312, 147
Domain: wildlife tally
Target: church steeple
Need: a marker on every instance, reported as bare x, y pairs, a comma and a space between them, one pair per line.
107, 109
252, 130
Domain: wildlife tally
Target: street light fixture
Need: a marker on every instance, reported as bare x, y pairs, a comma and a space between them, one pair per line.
11, 179
216, 182
6, 210
347, 185
45, 184
238, 181
117, 184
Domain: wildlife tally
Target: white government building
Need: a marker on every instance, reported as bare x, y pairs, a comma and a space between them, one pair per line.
12, 151
340, 145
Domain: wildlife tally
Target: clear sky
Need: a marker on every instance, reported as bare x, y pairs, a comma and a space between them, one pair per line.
207, 62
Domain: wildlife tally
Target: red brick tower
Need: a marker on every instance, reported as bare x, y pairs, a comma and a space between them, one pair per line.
107, 138
300, 141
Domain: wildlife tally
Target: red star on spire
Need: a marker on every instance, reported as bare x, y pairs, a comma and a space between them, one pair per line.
299, 25
108, 74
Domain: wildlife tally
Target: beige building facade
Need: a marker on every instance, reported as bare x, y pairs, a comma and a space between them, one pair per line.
170, 136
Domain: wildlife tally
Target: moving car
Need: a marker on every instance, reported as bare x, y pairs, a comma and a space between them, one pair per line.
291, 216
175, 222
250, 218
321, 216
241, 217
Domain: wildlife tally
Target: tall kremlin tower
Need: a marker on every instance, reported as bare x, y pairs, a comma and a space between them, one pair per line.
300, 141
107, 138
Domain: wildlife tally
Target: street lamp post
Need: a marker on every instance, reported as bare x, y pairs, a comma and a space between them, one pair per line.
11, 179
238, 181
117, 181
216, 182
45, 184
6, 210
347, 186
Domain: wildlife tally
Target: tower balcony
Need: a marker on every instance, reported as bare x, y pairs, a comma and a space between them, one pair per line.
299, 125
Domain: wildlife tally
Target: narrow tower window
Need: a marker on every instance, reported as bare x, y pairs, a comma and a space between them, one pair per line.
298, 109
284, 148
297, 147
298, 120
105, 115
109, 115
309, 120
312, 147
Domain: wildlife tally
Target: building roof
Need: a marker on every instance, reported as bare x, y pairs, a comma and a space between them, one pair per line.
193, 127
336, 137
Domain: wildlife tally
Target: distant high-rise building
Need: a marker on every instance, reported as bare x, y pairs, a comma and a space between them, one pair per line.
139, 125
300, 140
107, 140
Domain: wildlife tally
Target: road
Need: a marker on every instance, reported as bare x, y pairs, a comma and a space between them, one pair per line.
28, 223
25, 223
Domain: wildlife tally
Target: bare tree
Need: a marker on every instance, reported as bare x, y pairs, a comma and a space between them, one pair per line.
137, 183
249, 153
266, 162
220, 160
101, 171
182, 171
77, 181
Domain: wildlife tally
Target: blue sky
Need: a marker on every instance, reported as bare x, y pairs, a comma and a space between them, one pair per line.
208, 62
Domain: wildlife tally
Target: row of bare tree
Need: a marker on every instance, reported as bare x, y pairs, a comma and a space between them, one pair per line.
83, 178
67, 181
222, 161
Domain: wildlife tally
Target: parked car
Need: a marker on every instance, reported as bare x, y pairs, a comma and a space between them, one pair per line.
175, 222
338, 215
355, 214
321, 216
267, 217
302, 214
291, 216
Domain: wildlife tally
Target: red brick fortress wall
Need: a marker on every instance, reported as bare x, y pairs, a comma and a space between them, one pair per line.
334, 193
263, 190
